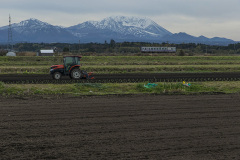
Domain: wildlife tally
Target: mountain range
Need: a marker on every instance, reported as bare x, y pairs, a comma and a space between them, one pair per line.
119, 28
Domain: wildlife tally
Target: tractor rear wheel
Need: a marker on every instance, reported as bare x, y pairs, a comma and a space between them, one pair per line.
76, 74
57, 75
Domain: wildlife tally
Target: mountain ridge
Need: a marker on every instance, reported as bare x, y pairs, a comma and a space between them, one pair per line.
119, 28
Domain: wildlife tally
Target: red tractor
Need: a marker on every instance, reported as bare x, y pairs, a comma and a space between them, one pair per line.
70, 67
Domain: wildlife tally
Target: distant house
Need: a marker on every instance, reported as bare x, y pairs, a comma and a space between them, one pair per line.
48, 52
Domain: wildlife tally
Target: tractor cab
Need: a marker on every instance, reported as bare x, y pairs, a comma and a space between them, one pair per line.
70, 62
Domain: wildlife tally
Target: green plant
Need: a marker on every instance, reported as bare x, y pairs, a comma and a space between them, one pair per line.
181, 53
1, 85
88, 87
92, 85
140, 87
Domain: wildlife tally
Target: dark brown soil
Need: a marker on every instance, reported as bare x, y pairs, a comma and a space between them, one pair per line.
126, 127
127, 77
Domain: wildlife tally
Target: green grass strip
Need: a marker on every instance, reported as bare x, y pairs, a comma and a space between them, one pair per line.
80, 89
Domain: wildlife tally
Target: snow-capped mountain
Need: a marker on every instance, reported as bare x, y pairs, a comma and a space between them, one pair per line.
133, 25
123, 28
119, 28
33, 30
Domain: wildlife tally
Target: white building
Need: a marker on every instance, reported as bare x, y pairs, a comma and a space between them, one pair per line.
11, 54
48, 52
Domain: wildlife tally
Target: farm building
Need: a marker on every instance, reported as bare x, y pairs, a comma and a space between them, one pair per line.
11, 54
158, 49
49, 52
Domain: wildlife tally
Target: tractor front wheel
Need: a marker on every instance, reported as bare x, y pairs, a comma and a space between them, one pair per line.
57, 75
76, 74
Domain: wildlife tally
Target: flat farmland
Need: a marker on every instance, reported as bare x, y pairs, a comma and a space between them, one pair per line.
121, 127
125, 64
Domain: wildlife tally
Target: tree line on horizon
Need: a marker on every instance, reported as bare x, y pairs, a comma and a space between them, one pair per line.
124, 48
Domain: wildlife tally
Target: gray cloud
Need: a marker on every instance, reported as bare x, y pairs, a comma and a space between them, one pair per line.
187, 15
203, 8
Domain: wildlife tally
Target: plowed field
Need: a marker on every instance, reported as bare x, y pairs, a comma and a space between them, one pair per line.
125, 78
125, 127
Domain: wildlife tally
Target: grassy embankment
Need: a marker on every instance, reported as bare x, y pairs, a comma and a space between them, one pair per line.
125, 64
109, 89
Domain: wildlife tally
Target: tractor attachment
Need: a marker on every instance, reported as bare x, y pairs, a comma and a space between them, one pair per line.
87, 75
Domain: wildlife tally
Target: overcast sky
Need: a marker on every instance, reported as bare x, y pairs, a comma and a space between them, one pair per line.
211, 18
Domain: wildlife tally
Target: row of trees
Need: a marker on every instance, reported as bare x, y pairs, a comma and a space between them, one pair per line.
124, 47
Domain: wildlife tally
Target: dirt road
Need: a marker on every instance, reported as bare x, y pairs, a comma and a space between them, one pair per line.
125, 127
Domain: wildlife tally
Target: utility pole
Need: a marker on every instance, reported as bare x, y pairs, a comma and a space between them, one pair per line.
79, 47
234, 48
10, 43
